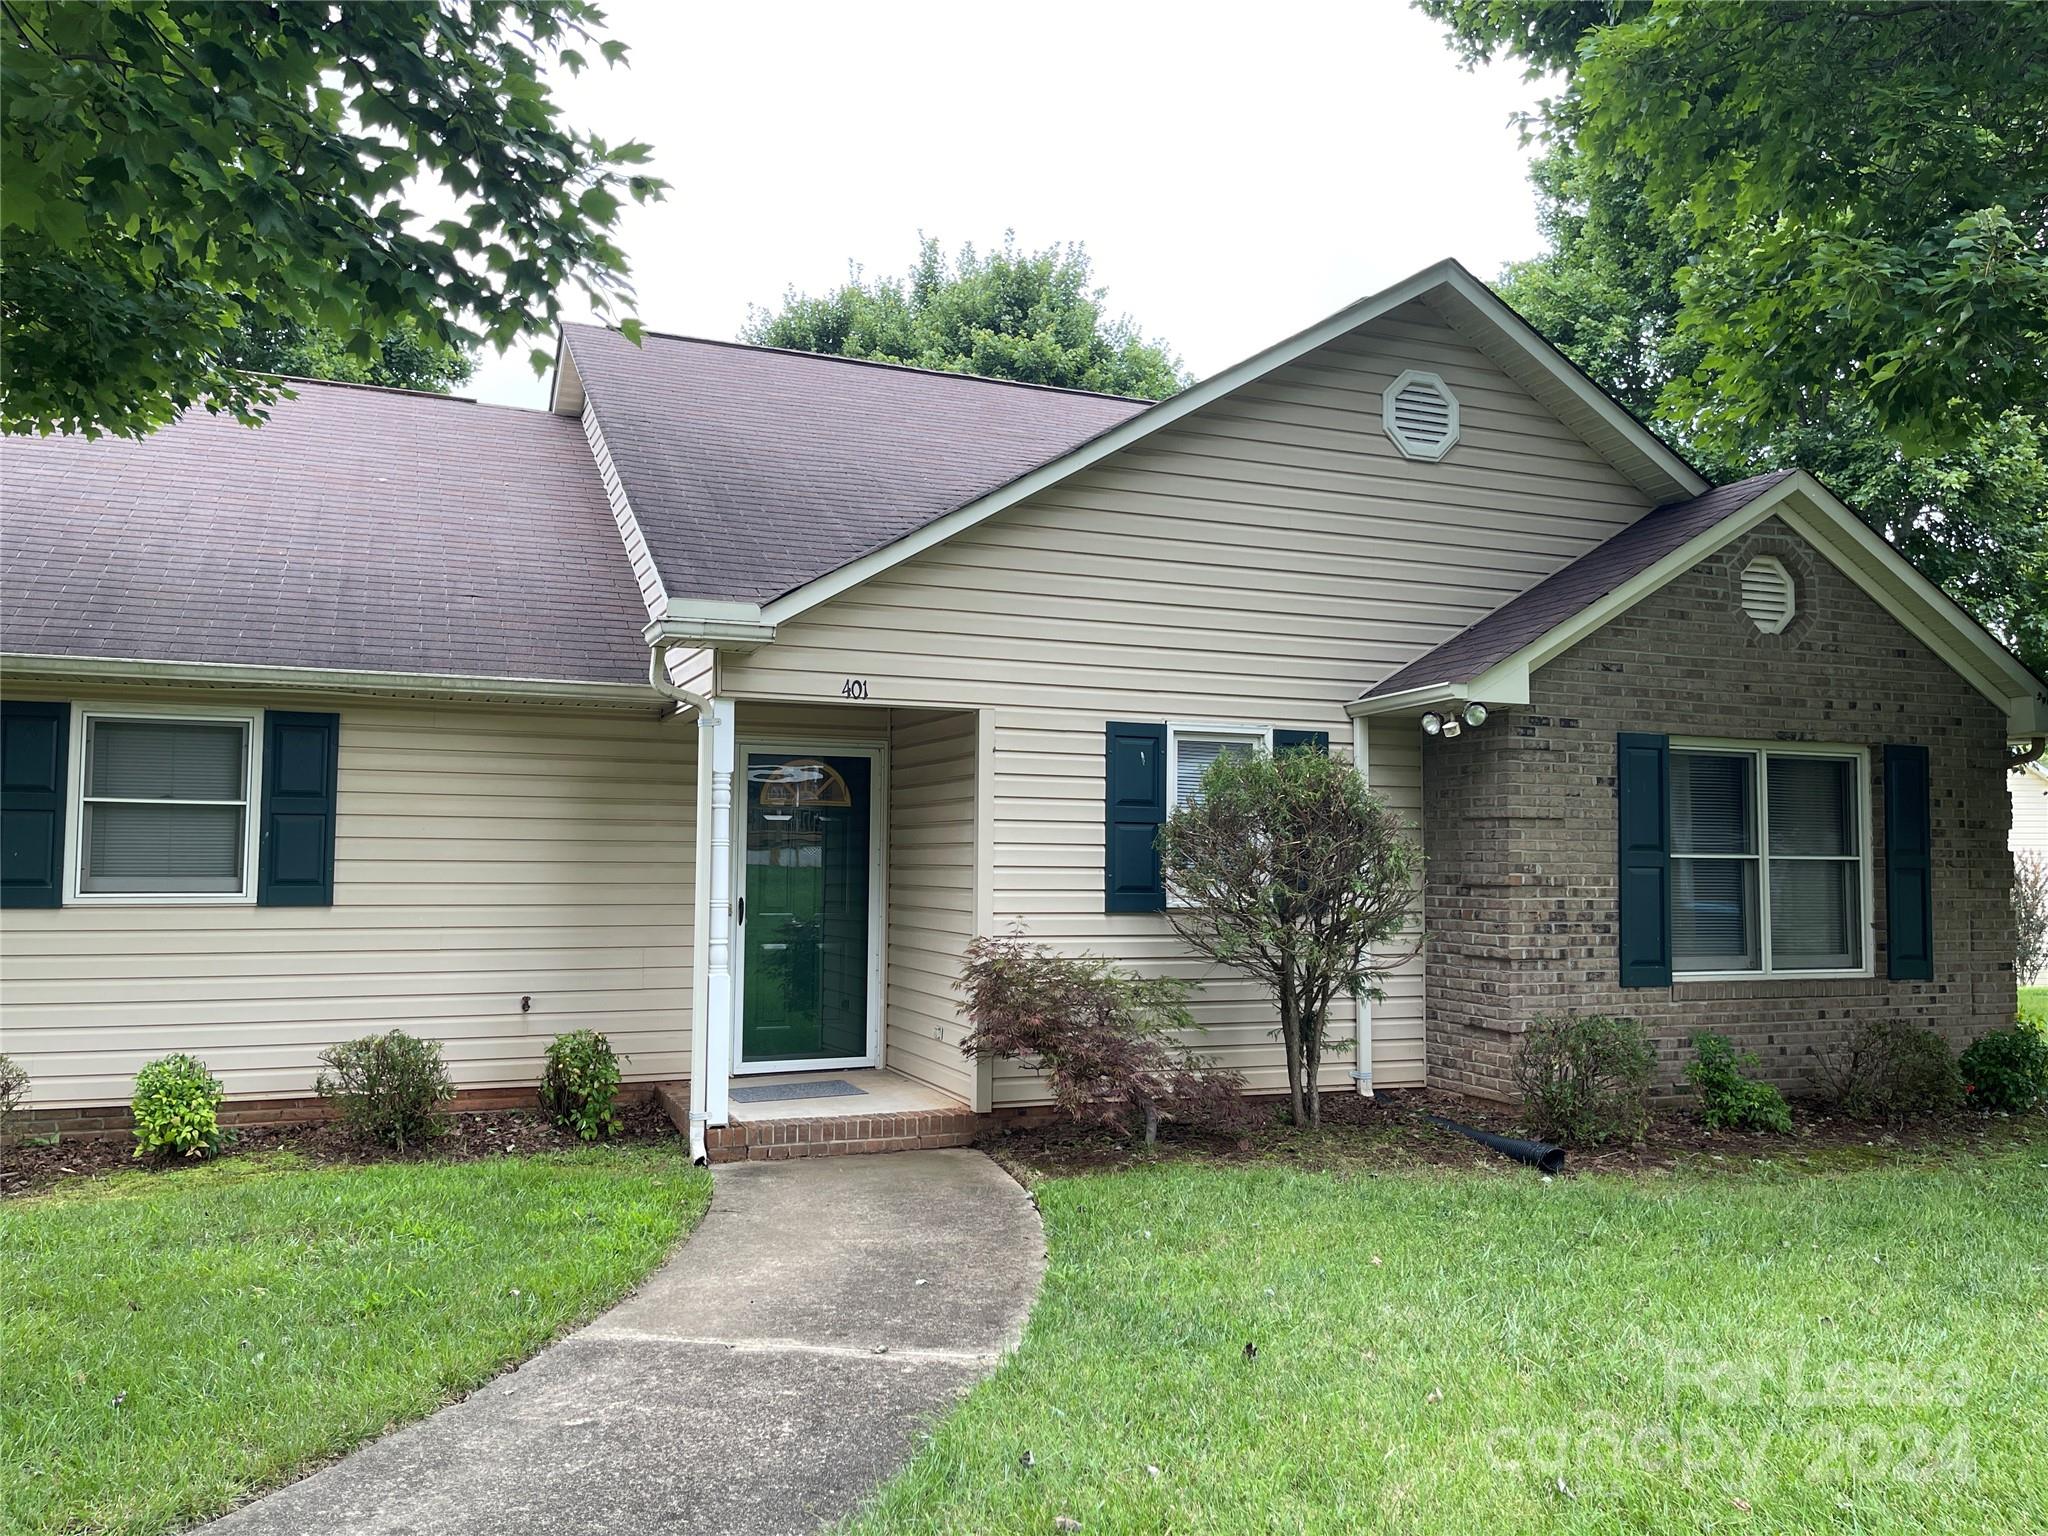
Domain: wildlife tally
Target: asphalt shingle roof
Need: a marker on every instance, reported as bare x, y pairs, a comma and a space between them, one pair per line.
753, 470
1558, 597
360, 530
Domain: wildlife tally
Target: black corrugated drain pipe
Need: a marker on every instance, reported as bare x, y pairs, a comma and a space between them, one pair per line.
1538, 1154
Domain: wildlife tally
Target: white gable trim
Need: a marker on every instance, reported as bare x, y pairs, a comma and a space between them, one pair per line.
1818, 515
1658, 465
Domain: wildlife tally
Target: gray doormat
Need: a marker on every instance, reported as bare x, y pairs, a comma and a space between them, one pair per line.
772, 1093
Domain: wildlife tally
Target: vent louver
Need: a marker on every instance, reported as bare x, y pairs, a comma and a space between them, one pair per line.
1767, 594
1421, 415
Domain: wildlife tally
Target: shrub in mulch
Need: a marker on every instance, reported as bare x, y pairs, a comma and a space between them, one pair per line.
467, 1137
1392, 1133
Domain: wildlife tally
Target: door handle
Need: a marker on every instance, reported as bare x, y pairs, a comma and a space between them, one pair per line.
743, 909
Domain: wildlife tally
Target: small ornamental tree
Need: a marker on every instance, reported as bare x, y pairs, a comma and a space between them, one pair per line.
1291, 871
1104, 1038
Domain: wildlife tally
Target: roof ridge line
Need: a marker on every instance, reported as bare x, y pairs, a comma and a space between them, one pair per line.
875, 362
367, 388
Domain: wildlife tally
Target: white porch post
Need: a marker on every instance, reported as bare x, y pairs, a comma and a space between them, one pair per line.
716, 756
1361, 1069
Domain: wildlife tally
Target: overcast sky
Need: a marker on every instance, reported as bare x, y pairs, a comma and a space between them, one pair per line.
1235, 174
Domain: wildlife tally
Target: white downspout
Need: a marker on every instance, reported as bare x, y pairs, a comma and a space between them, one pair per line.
1361, 1072
707, 718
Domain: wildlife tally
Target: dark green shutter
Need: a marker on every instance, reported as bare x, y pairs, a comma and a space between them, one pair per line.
1134, 772
35, 750
1908, 865
295, 867
1284, 740
1642, 785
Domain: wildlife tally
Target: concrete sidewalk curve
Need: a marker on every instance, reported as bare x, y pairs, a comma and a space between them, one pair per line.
764, 1380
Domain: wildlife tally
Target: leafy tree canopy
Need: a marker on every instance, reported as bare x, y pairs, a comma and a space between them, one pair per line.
1033, 316
403, 359
1866, 186
181, 173
1749, 380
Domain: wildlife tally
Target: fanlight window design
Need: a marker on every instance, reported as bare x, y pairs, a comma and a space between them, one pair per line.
801, 783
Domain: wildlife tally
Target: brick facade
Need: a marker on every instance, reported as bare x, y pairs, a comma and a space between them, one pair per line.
1519, 823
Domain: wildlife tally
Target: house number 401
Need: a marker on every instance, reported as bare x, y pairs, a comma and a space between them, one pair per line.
854, 688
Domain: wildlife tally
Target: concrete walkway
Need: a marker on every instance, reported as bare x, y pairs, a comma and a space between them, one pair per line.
767, 1377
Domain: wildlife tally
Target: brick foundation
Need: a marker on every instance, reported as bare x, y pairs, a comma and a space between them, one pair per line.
1519, 822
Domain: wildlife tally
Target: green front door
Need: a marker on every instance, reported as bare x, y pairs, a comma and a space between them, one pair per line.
804, 921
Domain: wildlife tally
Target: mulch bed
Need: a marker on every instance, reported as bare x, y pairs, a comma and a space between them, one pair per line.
471, 1136
1390, 1132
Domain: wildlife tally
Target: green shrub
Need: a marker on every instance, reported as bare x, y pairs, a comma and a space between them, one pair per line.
1585, 1081
1105, 1039
1727, 1098
1893, 1071
388, 1087
579, 1087
13, 1095
177, 1108
2007, 1069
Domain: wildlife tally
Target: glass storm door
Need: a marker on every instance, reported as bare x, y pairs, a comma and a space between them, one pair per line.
804, 913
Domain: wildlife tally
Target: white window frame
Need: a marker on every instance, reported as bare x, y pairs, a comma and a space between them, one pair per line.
251, 721
1761, 752
1258, 736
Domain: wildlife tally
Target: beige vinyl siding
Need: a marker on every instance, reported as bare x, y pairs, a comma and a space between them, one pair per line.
931, 895
2030, 812
1260, 561
482, 855
693, 670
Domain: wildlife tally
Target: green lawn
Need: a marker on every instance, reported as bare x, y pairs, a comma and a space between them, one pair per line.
2034, 1004
1754, 1349
171, 1341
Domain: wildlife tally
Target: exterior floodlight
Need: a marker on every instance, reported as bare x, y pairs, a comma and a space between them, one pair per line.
1451, 728
1475, 714
1432, 723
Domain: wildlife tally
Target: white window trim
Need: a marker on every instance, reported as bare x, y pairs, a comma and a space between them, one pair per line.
1760, 750
251, 721
1260, 736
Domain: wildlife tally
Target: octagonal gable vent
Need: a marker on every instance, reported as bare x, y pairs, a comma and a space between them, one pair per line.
1767, 594
1421, 415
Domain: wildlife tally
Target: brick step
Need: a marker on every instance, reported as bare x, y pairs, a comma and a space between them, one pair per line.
824, 1135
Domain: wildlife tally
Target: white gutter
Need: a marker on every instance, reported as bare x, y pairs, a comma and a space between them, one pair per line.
318, 679
658, 679
1361, 1071
699, 622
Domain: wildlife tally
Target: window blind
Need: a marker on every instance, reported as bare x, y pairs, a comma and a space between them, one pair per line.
1193, 757
162, 847
165, 760
164, 808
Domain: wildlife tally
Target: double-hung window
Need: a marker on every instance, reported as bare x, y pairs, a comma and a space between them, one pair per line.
1769, 861
164, 806
1191, 749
